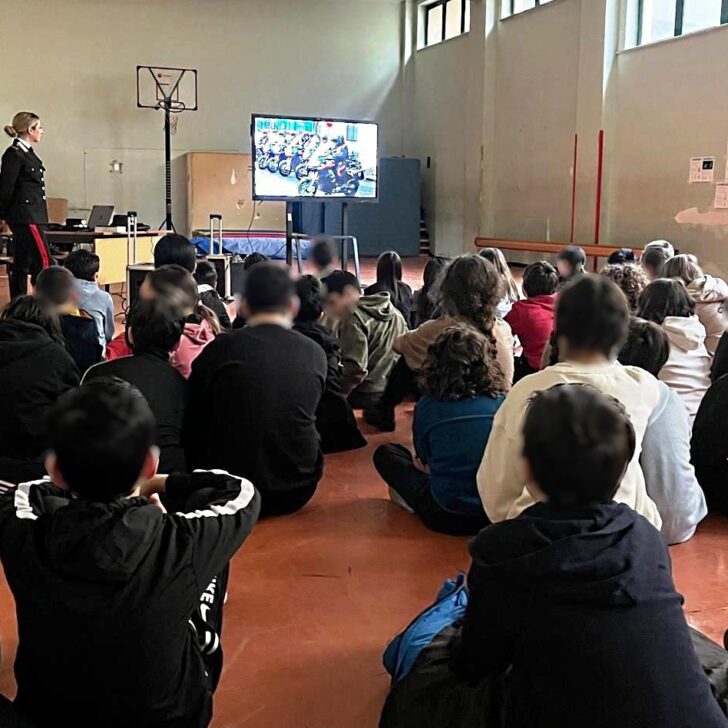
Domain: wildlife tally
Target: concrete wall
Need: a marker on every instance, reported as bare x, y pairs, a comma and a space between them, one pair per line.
318, 57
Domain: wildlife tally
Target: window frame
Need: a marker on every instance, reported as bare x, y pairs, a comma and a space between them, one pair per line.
443, 4
511, 5
679, 20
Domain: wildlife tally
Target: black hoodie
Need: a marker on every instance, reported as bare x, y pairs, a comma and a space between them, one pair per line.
583, 607
35, 371
104, 592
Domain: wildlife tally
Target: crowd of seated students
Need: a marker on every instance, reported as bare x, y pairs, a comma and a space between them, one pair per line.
601, 383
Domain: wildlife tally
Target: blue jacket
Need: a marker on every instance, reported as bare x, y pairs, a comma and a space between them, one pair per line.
100, 306
450, 437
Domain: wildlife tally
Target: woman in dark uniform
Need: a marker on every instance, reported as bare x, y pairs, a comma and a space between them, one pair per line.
23, 201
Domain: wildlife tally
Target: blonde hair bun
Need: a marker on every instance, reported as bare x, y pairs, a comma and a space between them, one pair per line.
10, 131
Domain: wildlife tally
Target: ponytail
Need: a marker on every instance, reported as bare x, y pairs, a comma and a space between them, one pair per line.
207, 314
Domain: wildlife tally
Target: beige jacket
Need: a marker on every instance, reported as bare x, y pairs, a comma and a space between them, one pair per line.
710, 296
500, 481
414, 344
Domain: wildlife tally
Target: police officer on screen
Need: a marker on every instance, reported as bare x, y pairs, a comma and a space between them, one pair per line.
23, 201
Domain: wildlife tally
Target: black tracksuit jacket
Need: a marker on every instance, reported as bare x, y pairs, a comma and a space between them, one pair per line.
104, 592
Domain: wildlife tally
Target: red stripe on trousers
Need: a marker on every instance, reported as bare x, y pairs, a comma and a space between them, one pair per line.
45, 261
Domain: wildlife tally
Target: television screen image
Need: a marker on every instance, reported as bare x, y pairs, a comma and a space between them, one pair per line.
303, 158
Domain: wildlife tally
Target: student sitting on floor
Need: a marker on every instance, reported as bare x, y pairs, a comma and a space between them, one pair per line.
253, 396
84, 265
335, 419
654, 256
206, 277
35, 370
154, 330
709, 294
571, 263
630, 278
178, 287
175, 249
367, 329
83, 340
623, 256
591, 326
573, 620
119, 602
248, 262
471, 291
512, 292
428, 299
667, 303
462, 391
389, 280
532, 320
322, 257
665, 459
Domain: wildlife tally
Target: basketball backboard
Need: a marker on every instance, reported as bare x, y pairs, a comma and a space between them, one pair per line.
159, 86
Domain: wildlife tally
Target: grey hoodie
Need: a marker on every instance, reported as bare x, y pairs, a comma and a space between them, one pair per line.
99, 305
367, 335
669, 476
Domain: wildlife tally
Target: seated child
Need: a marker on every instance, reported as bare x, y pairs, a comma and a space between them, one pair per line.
178, 287
389, 280
85, 268
118, 601
250, 260
573, 620
532, 320
667, 303
206, 276
154, 329
83, 340
623, 256
368, 327
322, 257
35, 370
427, 300
631, 279
175, 249
654, 256
571, 263
462, 391
708, 293
665, 459
335, 419
512, 294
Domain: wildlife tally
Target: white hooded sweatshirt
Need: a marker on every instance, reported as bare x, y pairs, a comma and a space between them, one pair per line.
710, 295
687, 371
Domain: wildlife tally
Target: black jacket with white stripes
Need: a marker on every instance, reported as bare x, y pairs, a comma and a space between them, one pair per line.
104, 592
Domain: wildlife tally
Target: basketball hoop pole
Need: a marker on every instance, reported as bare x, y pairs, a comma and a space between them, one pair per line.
168, 224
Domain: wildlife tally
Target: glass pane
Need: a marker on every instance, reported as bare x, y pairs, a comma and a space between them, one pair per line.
701, 14
521, 5
434, 25
658, 19
505, 8
453, 18
467, 16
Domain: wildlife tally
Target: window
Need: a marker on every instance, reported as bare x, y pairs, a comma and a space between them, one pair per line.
513, 7
660, 19
445, 19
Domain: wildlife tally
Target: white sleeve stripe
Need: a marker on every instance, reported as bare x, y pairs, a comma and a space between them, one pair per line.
23, 509
242, 500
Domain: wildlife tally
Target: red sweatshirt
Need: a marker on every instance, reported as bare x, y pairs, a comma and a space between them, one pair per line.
532, 321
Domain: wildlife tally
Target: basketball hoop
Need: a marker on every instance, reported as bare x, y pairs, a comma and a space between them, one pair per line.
173, 90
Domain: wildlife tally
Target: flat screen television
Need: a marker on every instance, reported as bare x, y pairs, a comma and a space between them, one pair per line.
301, 158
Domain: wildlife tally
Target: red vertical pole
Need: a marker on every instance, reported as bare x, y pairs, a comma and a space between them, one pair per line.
573, 188
600, 175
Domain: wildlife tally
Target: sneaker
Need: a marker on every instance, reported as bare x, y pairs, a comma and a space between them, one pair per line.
380, 418
397, 499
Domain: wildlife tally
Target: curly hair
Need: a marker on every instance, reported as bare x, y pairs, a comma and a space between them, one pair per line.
455, 367
471, 290
630, 278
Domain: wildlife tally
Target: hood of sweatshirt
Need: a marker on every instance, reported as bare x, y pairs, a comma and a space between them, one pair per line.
687, 333
95, 541
19, 339
85, 290
199, 333
708, 290
378, 305
583, 557
544, 303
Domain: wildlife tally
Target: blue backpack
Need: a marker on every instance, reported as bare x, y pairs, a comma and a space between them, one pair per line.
449, 607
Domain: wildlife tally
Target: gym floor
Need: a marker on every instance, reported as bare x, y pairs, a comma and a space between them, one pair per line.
315, 597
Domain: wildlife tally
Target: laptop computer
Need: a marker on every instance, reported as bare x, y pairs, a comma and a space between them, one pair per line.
100, 216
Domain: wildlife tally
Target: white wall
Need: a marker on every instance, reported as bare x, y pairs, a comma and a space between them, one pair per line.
318, 57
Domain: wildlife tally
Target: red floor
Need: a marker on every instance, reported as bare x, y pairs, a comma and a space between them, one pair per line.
315, 597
